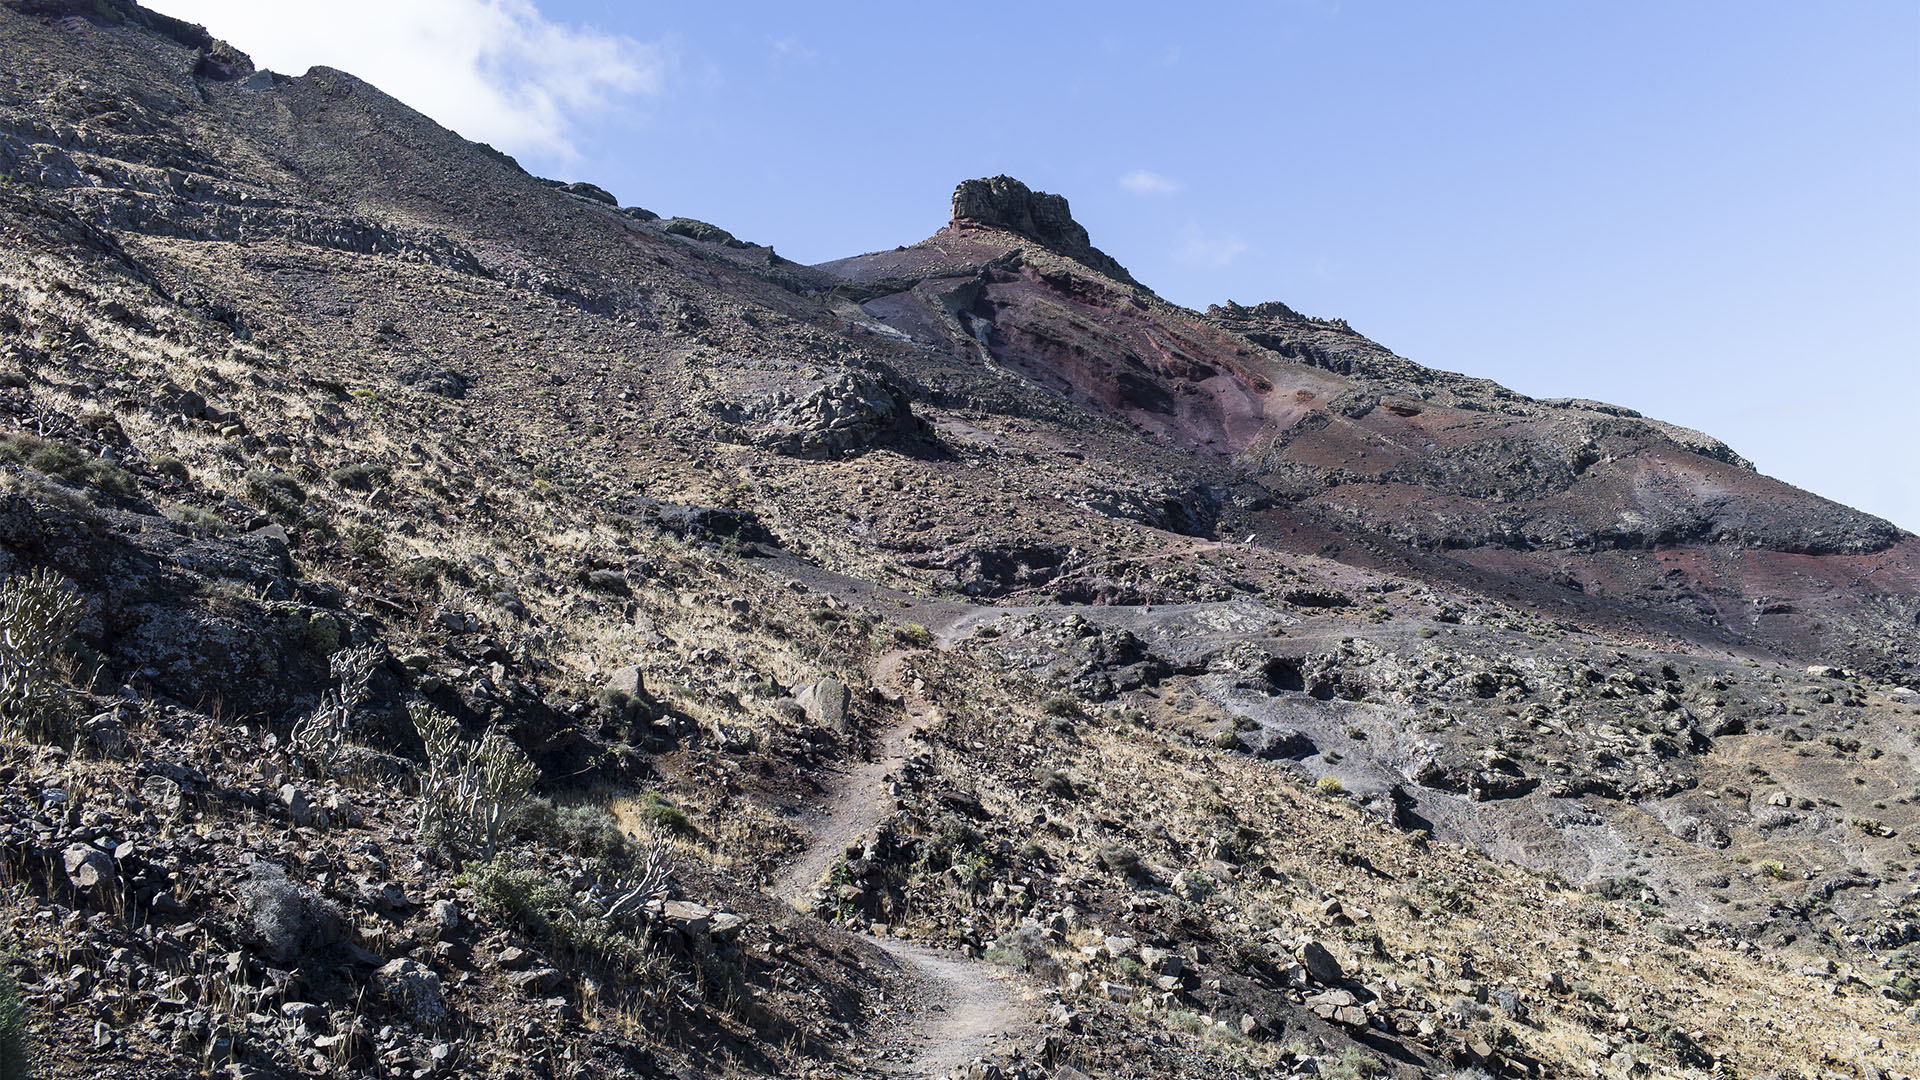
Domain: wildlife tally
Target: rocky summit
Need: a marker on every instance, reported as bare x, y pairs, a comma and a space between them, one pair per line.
453, 625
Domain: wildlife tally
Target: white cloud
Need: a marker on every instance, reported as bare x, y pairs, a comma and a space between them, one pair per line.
791, 48
1207, 248
1142, 182
497, 71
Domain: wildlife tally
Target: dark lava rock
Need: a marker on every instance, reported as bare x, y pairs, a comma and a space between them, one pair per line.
1002, 202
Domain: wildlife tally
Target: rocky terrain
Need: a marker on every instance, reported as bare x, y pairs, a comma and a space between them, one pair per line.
455, 625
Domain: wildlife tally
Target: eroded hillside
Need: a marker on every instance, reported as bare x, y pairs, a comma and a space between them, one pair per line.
512, 634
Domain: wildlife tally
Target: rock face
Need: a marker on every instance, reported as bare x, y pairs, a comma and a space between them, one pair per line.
1001, 202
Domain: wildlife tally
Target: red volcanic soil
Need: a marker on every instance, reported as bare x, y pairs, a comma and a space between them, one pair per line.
1572, 507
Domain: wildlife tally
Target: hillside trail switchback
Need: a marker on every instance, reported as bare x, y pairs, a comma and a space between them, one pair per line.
964, 1008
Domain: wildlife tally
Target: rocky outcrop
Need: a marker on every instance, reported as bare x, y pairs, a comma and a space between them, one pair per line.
215, 59
1002, 202
838, 415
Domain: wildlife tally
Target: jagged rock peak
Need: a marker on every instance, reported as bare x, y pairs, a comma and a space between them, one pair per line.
1270, 309
1001, 202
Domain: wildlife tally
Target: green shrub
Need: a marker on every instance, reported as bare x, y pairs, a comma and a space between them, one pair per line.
66, 463
276, 492
199, 517
365, 542
656, 810
360, 477
1062, 705
171, 467
17, 1052
430, 573
1330, 786
913, 635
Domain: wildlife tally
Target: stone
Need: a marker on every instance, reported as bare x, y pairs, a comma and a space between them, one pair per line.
1320, 964
162, 793
1162, 961
629, 681
841, 413
513, 958
88, 867
299, 809
415, 990
688, 916
107, 734
538, 981
825, 702
446, 914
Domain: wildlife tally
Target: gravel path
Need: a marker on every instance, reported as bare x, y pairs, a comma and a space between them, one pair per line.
962, 1009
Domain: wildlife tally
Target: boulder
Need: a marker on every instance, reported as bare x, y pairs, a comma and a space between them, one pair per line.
299, 808
688, 916
629, 681
415, 990
88, 867
1320, 964
825, 702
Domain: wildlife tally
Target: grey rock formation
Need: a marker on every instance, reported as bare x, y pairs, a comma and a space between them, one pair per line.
1002, 202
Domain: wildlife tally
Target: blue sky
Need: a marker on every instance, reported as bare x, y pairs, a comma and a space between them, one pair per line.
1706, 211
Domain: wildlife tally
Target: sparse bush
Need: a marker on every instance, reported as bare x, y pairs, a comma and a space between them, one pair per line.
170, 467
1053, 781
1118, 859
913, 635
1354, 1064
200, 518
360, 477
1330, 786
1775, 869
1062, 705
276, 492
38, 613
471, 790
654, 809
290, 920
17, 1052
585, 829
66, 463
